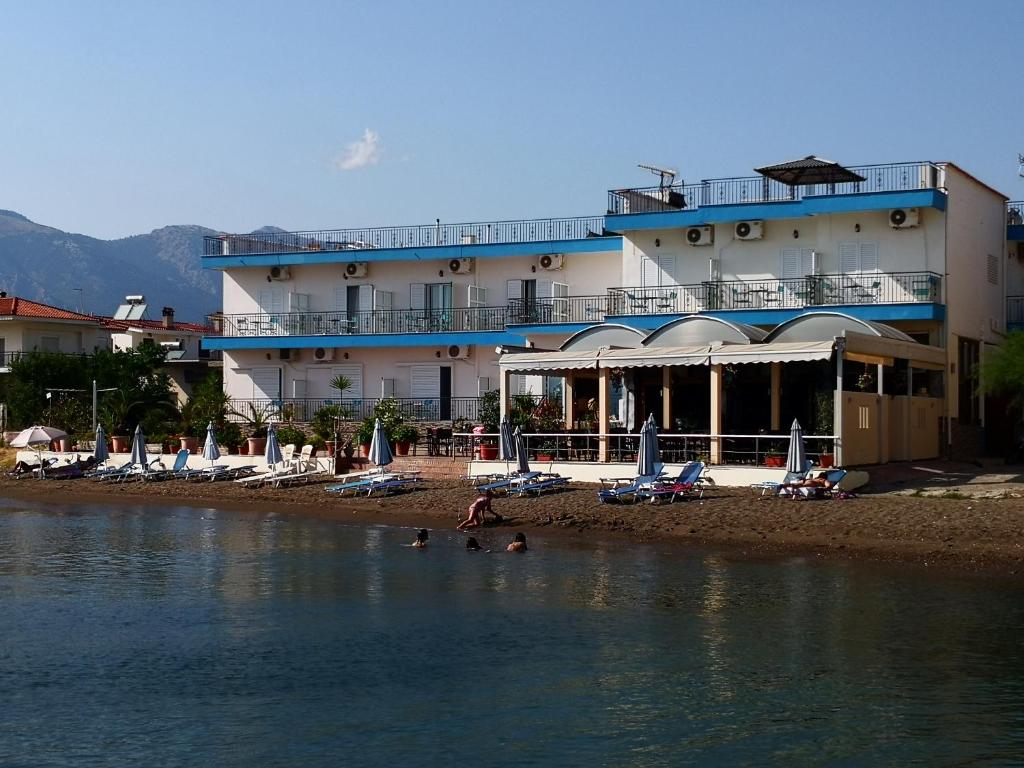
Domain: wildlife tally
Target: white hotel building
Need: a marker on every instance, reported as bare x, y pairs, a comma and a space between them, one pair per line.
881, 285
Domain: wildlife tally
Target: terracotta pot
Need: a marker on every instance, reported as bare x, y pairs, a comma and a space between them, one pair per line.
488, 452
257, 445
365, 448
121, 443
545, 457
243, 448
774, 461
826, 460
402, 449
65, 444
331, 448
190, 443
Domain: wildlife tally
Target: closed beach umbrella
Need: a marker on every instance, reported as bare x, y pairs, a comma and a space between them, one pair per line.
37, 437
647, 453
100, 452
139, 448
506, 443
380, 449
272, 455
211, 450
522, 460
796, 459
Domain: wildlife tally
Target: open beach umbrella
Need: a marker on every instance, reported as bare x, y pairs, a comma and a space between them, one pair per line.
380, 449
139, 448
211, 450
647, 452
796, 458
272, 455
37, 437
100, 452
522, 460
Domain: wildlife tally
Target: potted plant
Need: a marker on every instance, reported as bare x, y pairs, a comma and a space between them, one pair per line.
229, 434
256, 417
824, 405
326, 424
364, 435
774, 460
404, 436
545, 451
490, 416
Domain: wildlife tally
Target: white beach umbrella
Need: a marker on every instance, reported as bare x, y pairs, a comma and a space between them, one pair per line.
522, 460
796, 458
36, 437
272, 454
211, 450
380, 449
139, 448
647, 452
100, 452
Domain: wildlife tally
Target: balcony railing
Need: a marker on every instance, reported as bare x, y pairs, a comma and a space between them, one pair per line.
357, 409
1014, 310
788, 293
761, 189
417, 236
1015, 212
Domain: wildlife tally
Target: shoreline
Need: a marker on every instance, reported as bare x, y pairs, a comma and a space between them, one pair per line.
972, 535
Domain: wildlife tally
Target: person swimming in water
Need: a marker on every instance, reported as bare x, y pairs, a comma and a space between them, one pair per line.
472, 545
518, 543
421, 538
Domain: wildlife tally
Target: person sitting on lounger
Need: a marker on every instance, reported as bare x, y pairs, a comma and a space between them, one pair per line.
518, 544
421, 539
475, 517
821, 481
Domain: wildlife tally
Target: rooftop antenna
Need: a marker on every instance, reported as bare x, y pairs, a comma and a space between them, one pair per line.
668, 175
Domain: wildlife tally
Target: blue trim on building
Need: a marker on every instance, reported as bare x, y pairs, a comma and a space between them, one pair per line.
433, 253
551, 327
360, 341
879, 312
1015, 232
784, 209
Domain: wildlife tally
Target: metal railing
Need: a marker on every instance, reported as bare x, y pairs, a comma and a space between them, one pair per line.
416, 236
1014, 309
567, 309
760, 189
1015, 212
376, 321
303, 409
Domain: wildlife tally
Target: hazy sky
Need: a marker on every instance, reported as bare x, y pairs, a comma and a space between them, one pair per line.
120, 117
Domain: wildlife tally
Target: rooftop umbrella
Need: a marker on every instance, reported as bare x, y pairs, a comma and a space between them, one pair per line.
796, 459
272, 454
809, 170
100, 451
36, 437
380, 449
647, 453
211, 450
139, 448
522, 460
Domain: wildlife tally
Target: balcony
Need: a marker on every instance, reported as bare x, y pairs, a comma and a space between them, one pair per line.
898, 177
417, 236
412, 409
368, 322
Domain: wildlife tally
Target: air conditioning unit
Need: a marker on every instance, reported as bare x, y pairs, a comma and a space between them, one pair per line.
903, 218
551, 261
288, 354
323, 354
468, 240
356, 269
458, 351
280, 273
700, 235
749, 230
460, 266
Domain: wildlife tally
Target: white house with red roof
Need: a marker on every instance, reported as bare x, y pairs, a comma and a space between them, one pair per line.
27, 325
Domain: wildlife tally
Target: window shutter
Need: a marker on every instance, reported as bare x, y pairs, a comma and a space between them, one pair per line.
383, 300
365, 298
545, 289
869, 257
477, 296
809, 263
791, 263
266, 383
298, 302
417, 296
424, 381
340, 299
299, 389
271, 300
483, 385
849, 257
560, 302
514, 290
354, 373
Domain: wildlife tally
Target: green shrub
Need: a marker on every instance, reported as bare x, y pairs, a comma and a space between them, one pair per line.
289, 434
325, 421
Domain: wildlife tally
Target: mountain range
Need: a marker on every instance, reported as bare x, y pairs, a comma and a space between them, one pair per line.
84, 273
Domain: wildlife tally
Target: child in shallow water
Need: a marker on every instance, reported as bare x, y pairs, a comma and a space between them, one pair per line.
518, 543
421, 538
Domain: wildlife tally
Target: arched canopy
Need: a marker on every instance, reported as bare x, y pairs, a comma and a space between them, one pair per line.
701, 329
823, 326
611, 335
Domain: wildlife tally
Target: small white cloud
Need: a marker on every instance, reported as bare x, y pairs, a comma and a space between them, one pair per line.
359, 154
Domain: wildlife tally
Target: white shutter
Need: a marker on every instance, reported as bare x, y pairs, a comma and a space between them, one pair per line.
299, 389
849, 257
869, 257
354, 373
516, 384
545, 289
560, 302
514, 290
298, 302
477, 296
648, 271
341, 298
266, 383
417, 296
271, 300
424, 381
365, 298
658, 270
483, 385
383, 300
791, 263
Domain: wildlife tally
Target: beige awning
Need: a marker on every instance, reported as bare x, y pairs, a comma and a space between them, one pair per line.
655, 356
919, 355
569, 360
774, 352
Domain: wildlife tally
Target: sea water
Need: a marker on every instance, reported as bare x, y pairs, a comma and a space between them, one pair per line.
174, 636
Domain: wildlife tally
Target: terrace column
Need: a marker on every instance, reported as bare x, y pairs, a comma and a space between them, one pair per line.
604, 399
716, 413
883, 415
569, 406
504, 393
776, 386
907, 421
666, 399
837, 405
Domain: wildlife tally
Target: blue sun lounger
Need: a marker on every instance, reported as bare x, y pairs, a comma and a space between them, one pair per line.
392, 485
540, 485
508, 482
771, 487
360, 484
688, 480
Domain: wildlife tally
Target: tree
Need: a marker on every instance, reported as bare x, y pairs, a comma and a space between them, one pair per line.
1002, 371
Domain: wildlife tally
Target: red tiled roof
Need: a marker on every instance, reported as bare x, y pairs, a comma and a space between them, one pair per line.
14, 306
123, 325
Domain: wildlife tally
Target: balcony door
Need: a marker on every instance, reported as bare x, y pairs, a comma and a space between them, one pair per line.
431, 304
431, 386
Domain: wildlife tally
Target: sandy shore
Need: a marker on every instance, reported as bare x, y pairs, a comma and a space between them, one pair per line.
983, 535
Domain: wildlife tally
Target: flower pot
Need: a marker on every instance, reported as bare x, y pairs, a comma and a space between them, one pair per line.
65, 444
826, 460
243, 448
774, 461
488, 452
365, 448
120, 443
257, 445
545, 457
331, 448
191, 444
402, 448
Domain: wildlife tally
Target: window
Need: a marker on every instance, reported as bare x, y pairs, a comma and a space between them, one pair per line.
858, 257
52, 343
658, 270
266, 384
797, 262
